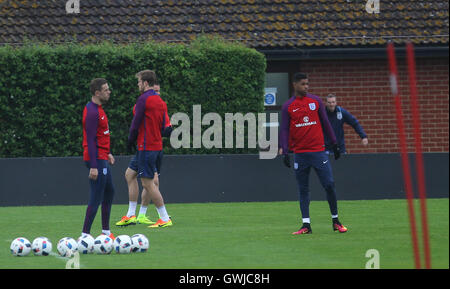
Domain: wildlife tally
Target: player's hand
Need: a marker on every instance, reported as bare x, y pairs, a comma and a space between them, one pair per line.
287, 160
93, 174
166, 131
365, 141
336, 152
111, 159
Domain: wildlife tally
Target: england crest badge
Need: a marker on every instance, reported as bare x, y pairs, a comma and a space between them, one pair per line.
312, 106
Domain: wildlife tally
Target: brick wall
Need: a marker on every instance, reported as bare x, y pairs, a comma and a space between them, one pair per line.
362, 87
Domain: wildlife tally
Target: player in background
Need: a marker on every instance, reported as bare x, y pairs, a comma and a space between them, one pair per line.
150, 123
97, 156
133, 190
303, 123
337, 116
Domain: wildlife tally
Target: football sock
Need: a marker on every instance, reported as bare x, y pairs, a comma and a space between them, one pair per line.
335, 219
306, 220
131, 209
163, 213
106, 232
143, 210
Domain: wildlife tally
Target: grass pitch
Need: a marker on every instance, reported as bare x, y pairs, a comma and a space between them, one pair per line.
239, 235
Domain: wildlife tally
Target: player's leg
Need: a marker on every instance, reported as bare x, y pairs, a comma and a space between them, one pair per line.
133, 193
145, 201
302, 170
157, 199
108, 197
148, 170
324, 171
133, 190
97, 188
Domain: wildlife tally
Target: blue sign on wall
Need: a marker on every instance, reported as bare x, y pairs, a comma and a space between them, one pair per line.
270, 96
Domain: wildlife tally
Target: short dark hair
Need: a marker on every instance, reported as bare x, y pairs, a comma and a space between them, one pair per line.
96, 85
331, 95
299, 76
147, 75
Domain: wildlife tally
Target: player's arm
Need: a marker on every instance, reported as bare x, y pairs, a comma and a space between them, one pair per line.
137, 120
91, 124
166, 126
353, 122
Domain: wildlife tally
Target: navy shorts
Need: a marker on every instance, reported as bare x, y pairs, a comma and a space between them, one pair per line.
148, 163
133, 163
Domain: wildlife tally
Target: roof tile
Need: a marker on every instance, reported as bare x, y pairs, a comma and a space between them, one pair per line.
256, 23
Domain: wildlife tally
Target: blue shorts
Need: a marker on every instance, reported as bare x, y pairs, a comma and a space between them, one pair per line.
147, 163
133, 163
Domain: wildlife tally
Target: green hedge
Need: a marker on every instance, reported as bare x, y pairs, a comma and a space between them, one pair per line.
44, 88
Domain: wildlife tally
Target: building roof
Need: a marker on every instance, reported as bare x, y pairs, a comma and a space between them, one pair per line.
263, 24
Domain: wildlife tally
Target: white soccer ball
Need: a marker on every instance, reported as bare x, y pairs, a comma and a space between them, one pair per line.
122, 244
86, 244
140, 243
41, 246
20, 246
103, 244
67, 247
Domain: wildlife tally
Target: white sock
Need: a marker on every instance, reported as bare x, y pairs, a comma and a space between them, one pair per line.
106, 232
131, 209
163, 213
306, 220
84, 234
334, 216
143, 210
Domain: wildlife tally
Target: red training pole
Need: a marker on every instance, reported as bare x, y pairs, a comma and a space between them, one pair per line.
403, 152
419, 155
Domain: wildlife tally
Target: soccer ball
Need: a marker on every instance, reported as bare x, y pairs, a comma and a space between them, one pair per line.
103, 244
67, 247
122, 244
41, 246
20, 246
140, 243
86, 244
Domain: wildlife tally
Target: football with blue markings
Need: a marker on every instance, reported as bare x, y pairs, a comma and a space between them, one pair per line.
140, 243
103, 244
67, 247
20, 247
86, 244
122, 244
41, 246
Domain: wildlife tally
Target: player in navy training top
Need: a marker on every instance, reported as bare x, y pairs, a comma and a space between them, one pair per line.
303, 122
97, 156
337, 116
